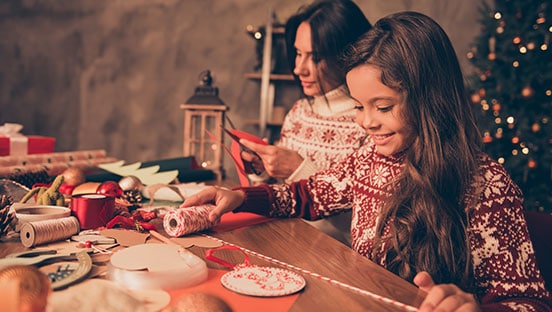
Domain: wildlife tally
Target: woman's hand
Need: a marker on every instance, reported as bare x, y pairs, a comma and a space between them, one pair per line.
225, 200
278, 162
444, 297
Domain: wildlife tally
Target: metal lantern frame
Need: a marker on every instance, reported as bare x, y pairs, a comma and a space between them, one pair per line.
204, 115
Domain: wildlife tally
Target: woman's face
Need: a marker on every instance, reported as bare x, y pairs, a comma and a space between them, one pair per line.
379, 110
311, 76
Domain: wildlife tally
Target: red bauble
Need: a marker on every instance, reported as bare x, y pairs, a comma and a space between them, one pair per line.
110, 188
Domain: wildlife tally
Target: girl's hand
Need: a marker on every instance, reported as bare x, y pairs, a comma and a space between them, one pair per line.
225, 200
444, 297
278, 162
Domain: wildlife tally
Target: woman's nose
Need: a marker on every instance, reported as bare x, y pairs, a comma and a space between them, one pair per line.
301, 68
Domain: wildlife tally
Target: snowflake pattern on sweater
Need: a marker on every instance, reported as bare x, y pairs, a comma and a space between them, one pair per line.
323, 133
505, 270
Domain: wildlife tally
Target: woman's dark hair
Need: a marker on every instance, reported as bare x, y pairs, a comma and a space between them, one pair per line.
334, 25
428, 207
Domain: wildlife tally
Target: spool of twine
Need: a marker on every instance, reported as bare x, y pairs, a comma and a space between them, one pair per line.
47, 231
188, 220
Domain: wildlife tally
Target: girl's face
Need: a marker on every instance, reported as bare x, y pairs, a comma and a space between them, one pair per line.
312, 79
379, 110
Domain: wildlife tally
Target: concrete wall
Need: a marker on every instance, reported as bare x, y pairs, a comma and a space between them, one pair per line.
111, 74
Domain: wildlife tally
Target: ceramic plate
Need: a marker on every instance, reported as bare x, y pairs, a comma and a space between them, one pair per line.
263, 281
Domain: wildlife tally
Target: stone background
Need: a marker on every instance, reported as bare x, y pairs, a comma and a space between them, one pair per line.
111, 74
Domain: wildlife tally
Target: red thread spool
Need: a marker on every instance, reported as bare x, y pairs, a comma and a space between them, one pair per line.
92, 210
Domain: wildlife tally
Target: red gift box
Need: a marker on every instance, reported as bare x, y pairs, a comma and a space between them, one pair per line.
34, 145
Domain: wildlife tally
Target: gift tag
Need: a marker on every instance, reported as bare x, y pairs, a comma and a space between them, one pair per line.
252, 280
263, 281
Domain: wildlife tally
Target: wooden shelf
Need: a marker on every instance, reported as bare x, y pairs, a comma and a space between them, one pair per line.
268, 123
276, 29
274, 77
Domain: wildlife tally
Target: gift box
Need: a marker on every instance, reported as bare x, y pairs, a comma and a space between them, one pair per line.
13, 143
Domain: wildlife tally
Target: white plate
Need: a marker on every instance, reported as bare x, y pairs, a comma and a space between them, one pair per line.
263, 281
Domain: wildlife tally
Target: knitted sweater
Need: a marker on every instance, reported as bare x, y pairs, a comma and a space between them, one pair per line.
323, 133
505, 270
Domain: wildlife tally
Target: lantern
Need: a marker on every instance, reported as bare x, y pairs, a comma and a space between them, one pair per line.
203, 123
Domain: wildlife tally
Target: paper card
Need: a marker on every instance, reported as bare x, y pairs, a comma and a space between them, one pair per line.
125, 237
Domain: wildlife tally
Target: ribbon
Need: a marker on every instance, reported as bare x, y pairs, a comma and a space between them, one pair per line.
18, 142
93, 210
209, 256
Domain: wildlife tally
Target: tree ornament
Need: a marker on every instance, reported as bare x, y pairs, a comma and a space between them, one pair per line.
496, 107
527, 92
532, 164
475, 98
73, 176
7, 220
130, 183
487, 137
536, 127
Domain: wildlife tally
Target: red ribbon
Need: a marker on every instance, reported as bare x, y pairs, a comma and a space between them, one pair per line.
209, 256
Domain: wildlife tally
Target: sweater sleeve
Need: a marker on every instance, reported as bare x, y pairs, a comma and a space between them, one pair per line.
505, 270
323, 194
278, 200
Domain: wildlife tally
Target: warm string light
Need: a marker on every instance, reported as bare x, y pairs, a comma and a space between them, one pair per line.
513, 137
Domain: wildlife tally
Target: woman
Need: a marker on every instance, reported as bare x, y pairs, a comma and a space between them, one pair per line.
320, 129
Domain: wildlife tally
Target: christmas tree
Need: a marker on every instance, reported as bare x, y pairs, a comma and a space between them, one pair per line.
512, 93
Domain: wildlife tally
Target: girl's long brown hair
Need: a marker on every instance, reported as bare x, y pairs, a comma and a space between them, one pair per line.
427, 206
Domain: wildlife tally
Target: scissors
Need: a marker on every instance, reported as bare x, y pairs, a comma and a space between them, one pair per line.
237, 135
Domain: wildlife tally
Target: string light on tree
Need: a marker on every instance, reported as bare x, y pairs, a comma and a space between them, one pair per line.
512, 95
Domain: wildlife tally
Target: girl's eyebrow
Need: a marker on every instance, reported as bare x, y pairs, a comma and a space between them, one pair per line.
376, 99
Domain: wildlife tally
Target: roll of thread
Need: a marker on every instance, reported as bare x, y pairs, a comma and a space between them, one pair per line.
47, 231
92, 210
188, 220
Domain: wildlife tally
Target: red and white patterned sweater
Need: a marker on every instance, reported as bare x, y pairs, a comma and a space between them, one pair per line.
504, 264
323, 131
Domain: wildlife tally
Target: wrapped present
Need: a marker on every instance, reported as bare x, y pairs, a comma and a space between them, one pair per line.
13, 143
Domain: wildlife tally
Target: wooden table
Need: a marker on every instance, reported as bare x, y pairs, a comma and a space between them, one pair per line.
298, 244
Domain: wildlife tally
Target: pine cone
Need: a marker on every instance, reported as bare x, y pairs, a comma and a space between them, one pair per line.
30, 178
7, 220
133, 196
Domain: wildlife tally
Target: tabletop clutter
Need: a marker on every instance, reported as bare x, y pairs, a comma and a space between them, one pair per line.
68, 226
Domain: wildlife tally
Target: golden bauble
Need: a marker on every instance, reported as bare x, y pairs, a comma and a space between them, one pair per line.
130, 183
201, 302
73, 176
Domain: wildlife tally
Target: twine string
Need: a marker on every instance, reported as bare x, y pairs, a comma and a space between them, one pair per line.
357, 290
46, 231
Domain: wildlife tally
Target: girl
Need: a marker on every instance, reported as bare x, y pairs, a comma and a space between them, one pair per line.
427, 203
